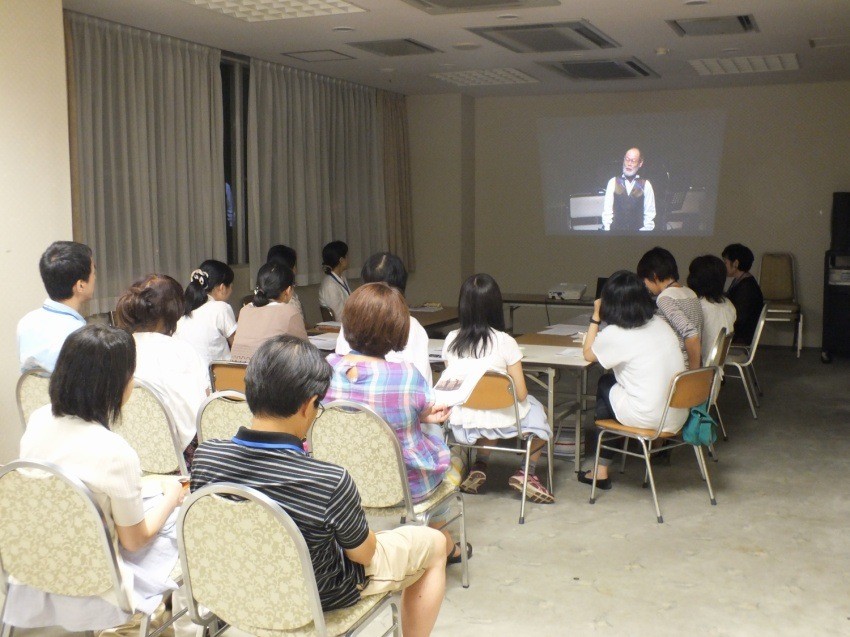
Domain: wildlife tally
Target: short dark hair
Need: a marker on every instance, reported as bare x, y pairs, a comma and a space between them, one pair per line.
333, 252
387, 268
94, 366
740, 253
376, 320
149, 301
479, 310
283, 373
659, 264
625, 301
282, 254
62, 265
272, 280
209, 275
707, 276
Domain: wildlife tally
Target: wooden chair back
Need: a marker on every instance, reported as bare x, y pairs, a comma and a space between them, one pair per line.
692, 388
227, 375
495, 390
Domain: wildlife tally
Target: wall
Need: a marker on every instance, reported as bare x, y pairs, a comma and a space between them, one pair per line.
785, 152
34, 174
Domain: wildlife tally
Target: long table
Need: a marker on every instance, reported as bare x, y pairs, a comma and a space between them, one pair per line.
542, 355
440, 318
516, 300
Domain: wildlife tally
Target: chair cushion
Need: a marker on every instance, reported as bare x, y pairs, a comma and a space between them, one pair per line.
337, 621
613, 425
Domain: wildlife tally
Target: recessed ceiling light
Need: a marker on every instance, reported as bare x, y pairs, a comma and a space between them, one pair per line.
508, 16
695, 3
343, 29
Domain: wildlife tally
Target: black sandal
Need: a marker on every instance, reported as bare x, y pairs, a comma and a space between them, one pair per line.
457, 559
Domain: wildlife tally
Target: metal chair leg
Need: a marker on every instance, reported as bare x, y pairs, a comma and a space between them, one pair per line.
719, 420
799, 334
596, 467
756, 386
747, 390
464, 559
625, 446
704, 470
550, 460
525, 478
651, 480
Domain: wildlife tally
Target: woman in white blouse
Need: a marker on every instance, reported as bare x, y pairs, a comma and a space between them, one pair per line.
706, 277
149, 310
92, 380
334, 290
208, 322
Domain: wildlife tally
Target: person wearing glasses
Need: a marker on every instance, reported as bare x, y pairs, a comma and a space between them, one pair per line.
629, 204
284, 384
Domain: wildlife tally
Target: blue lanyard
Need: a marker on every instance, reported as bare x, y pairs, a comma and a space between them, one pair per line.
268, 445
339, 282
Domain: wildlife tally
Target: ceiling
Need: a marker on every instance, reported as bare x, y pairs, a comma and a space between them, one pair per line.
638, 29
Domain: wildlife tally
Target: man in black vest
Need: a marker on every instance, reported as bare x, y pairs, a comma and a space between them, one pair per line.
629, 204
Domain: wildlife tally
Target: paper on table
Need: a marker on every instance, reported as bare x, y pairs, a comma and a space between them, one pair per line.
576, 352
562, 329
325, 342
424, 308
435, 352
335, 324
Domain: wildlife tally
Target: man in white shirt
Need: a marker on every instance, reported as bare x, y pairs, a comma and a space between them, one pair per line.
629, 204
68, 273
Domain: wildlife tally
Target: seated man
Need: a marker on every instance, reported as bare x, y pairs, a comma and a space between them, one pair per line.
744, 292
68, 273
284, 382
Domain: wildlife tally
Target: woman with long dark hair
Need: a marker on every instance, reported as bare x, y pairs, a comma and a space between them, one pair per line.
482, 337
706, 277
208, 323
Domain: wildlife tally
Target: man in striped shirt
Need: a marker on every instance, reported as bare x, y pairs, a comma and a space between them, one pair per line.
284, 382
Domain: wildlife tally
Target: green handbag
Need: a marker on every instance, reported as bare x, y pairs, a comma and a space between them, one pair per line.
700, 428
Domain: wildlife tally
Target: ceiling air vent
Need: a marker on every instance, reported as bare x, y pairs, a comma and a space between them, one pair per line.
394, 48
627, 69
547, 38
720, 25
439, 7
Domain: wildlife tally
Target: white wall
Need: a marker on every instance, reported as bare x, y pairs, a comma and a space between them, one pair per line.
34, 173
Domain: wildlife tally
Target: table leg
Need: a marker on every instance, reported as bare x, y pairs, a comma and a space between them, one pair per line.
581, 385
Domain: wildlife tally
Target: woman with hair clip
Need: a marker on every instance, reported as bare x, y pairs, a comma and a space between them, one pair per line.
208, 323
149, 310
642, 352
92, 380
269, 314
482, 336
334, 290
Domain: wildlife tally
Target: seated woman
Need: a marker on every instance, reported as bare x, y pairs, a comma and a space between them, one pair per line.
706, 277
643, 353
679, 306
744, 291
92, 380
376, 322
284, 255
208, 323
388, 268
270, 313
334, 290
149, 310
482, 336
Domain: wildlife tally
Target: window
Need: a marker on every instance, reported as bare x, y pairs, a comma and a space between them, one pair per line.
235, 75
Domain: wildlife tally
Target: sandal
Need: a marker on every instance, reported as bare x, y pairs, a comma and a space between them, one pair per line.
457, 557
534, 491
474, 481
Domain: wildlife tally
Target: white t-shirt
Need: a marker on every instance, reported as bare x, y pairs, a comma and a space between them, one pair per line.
333, 293
644, 360
415, 352
502, 352
207, 329
714, 317
176, 371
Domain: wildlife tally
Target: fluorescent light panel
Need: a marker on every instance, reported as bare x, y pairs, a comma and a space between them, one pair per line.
746, 64
485, 77
266, 10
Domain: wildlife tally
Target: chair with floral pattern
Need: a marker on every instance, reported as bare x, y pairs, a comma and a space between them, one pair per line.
54, 537
373, 459
147, 424
32, 392
221, 415
231, 538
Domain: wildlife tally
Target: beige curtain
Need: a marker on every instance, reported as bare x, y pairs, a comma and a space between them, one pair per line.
315, 167
148, 160
392, 109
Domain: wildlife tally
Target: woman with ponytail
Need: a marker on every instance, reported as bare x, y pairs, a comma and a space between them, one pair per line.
269, 314
149, 310
208, 323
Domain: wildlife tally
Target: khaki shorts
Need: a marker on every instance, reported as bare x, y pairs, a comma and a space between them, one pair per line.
400, 558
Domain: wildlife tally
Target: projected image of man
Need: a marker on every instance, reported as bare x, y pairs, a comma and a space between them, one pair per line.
629, 204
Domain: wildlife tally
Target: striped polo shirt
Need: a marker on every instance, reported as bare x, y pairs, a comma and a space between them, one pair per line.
319, 497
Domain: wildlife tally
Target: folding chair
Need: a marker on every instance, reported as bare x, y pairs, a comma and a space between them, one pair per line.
373, 459
228, 375
496, 390
54, 537
32, 392
221, 415
147, 424
245, 560
327, 313
778, 286
741, 357
687, 389
717, 358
